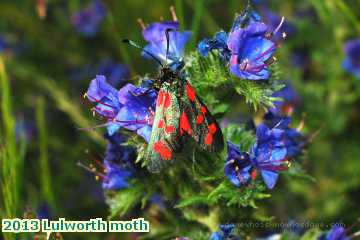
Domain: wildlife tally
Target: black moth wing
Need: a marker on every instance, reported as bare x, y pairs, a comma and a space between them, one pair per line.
197, 121
164, 140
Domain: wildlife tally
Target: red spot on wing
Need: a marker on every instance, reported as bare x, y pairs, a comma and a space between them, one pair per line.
169, 129
209, 139
212, 128
199, 119
161, 123
160, 99
163, 150
184, 124
167, 100
190, 92
203, 110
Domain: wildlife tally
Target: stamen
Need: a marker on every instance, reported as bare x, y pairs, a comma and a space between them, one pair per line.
279, 26
98, 175
85, 95
99, 101
141, 23
301, 125
284, 35
173, 14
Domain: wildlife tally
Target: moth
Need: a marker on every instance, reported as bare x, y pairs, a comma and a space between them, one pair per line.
180, 113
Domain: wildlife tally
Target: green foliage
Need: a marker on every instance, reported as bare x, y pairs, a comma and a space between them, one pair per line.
210, 74
12, 153
45, 176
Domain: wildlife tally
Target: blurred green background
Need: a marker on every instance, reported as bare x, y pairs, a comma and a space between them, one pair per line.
49, 65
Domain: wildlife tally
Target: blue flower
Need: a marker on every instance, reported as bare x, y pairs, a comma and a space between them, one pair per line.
115, 177
225, 233
247, 17
114, 72
335, 233
250, 51
218, 42
290, 99
155, 35
4, 44
238, 165
268, 154
293, 139
106, 97
278, 27
137, 111
88, 20
131, 107
352, 60
116, 152
220, 39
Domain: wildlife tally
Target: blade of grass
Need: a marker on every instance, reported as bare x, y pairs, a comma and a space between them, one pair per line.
180, 13
11, 159
65, 104
45, 179
195, 26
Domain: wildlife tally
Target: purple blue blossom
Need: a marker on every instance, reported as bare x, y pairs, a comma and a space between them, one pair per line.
155, 35
275, 23
131, 107
114, 72
219, 43
88, 20
105, 96
4, 44
267, 156
250, 50
118, 162
351, 62
117, 152
336, 233
238, 165
225, 233
290, 99
269, 153
293, 139
115, 177
137, 111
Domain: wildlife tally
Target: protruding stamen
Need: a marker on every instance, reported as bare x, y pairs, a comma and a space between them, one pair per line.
284, 35
279, 26
98, 175
141, 23
173, 14
301, 125
85, 95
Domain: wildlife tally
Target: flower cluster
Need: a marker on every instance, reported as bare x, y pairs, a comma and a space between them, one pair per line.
225, 233
267, 156
155, 35
130, 107
248, 48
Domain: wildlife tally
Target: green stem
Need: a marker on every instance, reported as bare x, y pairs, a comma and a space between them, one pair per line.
45, 179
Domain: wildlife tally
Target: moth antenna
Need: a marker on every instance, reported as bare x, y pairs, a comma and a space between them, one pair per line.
167, 42
132, 43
